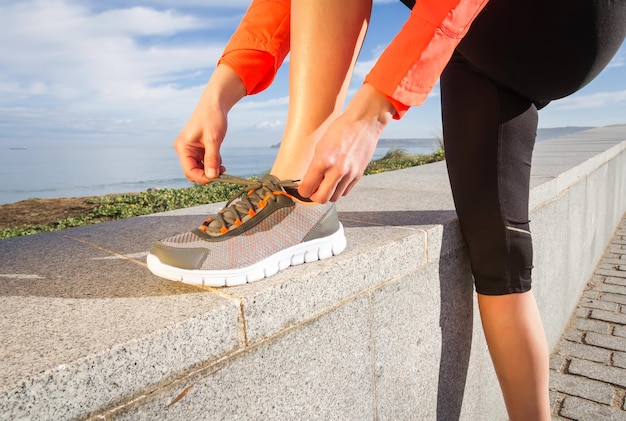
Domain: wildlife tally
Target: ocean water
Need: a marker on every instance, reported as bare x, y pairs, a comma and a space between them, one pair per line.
75, 168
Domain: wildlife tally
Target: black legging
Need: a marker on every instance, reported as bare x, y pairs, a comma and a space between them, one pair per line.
517, 56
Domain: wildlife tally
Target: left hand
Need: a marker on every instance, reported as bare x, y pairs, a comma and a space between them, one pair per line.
345, 149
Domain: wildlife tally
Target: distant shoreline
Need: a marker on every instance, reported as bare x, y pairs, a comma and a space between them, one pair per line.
542, 134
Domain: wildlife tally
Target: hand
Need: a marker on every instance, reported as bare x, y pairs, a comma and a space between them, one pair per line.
198, 144
345, 149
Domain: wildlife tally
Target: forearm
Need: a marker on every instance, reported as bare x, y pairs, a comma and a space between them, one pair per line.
223, 90
370, 105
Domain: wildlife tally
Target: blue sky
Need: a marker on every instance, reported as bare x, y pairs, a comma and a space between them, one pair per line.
134, 70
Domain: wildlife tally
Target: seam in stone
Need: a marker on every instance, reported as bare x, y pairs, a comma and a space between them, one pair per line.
373, 356
242, 330
111, 252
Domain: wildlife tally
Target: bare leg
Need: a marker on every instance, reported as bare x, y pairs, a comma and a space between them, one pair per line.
519, 352
326, 36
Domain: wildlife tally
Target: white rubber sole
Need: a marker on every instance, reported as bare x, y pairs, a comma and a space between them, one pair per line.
310, 251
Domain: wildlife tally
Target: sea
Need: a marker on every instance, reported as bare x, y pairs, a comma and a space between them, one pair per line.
75, 168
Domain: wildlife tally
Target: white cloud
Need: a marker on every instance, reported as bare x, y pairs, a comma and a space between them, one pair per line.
74, 68
595, 100
618, 61
192, 3
251, 104
269, 124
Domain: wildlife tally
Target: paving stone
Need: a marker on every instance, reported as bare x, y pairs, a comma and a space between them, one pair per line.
608, 316
615, 281
580, 409
613, 265
582, 387
599, 304
592, 325
620, 299
606, 341
597, 371
618, 289
554, 399
620, 331
582, 312
573, 335
557, 363
592, 294
619, 359
584, 352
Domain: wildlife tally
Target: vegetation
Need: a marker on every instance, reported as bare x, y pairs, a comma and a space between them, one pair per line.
107, 208
397, 159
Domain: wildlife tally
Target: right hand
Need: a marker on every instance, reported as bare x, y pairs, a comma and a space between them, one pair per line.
198, 144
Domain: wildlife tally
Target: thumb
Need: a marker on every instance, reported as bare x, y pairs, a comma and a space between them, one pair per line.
212, 164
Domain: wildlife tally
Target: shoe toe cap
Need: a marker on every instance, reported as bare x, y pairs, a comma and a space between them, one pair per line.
182, 258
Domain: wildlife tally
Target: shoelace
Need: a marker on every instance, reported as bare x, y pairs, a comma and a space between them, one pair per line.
255, 197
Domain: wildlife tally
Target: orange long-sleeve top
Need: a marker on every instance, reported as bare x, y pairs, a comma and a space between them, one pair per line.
406, 71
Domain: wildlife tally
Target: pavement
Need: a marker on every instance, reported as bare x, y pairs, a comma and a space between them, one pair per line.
588, 365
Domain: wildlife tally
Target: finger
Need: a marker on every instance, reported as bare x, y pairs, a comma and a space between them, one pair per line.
326, 189
192, 168
212, 164
351, 186
311, 180
341, 188
197, 175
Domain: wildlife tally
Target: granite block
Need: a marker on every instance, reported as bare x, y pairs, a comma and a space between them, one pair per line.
320, 371
549, 225
608, 316
596, 371
584, 351
69, 358
592, 325
374, 255
542, 190
57, 266
581, 409
580, 260
619, 359
606, 341
407, 348
135, 235
582, 387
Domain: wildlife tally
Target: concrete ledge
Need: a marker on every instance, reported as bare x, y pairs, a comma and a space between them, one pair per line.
389, 329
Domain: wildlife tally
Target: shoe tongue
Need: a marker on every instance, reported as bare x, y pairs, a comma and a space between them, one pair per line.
269, 184
271, 180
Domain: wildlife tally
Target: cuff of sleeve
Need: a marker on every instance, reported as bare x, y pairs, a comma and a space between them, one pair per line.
255, 68
401, 108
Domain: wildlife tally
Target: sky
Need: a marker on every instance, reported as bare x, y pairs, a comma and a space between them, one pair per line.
132, 71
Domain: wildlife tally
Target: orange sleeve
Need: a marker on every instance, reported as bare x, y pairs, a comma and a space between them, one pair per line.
260, 44
409, 67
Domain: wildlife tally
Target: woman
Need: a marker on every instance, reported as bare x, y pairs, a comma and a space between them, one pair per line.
499, 62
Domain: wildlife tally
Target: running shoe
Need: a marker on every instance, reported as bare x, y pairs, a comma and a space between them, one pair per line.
263, 229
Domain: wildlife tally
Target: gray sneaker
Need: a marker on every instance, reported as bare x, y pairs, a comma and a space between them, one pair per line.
268, 230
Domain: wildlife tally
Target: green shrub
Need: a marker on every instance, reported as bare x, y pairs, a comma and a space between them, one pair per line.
153, 201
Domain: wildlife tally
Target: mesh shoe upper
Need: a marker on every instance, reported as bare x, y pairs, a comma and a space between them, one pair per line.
268, 219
